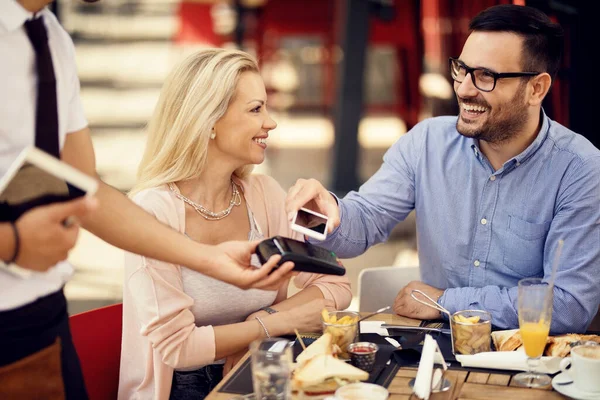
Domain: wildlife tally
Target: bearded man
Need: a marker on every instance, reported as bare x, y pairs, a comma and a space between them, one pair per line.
495, 189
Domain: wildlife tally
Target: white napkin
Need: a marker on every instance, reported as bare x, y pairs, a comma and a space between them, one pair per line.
431, 353
511, 360
373, 327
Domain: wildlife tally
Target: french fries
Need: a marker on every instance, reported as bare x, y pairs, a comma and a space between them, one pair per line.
471, 333
343, 327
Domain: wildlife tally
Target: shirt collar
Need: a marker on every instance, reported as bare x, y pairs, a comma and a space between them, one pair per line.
12, 16
529, 151
537, 142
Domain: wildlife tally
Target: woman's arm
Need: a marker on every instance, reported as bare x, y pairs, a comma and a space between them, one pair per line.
231, 339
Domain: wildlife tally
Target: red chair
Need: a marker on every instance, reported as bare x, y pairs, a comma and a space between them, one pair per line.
97, 339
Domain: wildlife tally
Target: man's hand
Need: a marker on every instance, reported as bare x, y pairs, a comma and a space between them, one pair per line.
312, 195
232, 265
44, 239
406, 306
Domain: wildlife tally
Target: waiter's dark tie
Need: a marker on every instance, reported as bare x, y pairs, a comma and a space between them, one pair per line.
46, 115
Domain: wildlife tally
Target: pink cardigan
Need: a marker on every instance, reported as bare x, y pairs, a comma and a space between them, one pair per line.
159, 333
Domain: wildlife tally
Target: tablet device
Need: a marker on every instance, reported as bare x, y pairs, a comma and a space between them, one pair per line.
306, 256
36, 178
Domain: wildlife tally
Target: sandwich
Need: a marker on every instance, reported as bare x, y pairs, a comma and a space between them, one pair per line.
323, 374
507, 340
556, 346
322, 345
560, 346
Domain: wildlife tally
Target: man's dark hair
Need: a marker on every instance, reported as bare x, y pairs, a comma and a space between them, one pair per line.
542, 38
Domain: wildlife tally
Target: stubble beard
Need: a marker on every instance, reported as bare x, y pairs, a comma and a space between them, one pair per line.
511, 118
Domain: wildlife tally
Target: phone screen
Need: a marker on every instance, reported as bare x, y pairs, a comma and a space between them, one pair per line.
317, 224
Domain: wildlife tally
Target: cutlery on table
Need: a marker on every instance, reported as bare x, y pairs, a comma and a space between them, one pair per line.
445, 331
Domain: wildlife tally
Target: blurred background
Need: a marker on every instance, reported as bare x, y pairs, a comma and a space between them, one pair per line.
345, 78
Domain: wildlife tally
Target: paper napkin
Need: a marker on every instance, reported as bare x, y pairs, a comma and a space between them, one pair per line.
429, 355
510, 360
373, 327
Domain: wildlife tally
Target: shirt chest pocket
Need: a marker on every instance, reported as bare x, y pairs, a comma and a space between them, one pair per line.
524, 246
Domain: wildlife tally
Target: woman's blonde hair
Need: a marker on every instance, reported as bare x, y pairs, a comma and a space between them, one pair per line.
194, 97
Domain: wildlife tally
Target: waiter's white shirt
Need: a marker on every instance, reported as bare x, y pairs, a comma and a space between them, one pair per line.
18, 95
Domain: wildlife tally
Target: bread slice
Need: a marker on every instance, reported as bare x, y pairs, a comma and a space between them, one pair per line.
322, 367
507, 340
560, 346
320, 346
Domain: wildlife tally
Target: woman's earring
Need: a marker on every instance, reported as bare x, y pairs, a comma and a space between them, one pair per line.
213, 135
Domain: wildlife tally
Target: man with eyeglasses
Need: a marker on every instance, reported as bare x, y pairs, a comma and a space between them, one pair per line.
495, 189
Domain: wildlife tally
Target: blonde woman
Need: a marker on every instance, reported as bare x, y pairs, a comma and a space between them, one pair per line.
183, 329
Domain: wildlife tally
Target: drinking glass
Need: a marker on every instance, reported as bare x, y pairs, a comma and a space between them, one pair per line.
271, 369
535, 315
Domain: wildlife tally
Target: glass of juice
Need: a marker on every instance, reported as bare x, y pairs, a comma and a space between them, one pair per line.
535, 315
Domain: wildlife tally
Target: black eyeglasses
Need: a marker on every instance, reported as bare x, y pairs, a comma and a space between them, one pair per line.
483, 78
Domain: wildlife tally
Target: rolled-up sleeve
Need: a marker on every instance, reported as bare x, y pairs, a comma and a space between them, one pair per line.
576, 299
336, 289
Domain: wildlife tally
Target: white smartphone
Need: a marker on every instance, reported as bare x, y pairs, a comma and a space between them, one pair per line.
311, 223
36, 178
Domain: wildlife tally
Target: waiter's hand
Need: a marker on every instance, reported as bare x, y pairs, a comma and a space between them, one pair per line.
231, 263
406, 306
44, 240
312, 194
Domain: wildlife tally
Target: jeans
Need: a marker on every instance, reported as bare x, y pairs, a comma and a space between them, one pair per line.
197, 384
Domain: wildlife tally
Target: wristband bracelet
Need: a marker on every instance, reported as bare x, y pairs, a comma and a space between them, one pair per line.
264, 327
269, 310
17, 244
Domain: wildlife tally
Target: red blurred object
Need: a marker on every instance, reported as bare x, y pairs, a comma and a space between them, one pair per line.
97, 339
196, 24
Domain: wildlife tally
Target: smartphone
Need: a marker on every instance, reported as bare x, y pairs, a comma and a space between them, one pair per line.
310, 223
306, 256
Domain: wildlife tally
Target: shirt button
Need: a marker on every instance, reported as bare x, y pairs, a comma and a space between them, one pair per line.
476, 263
493, 178
483, 221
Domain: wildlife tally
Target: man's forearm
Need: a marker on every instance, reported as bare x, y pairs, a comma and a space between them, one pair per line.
122, 223
568, 316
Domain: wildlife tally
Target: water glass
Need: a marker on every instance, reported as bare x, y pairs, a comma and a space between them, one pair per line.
271, 369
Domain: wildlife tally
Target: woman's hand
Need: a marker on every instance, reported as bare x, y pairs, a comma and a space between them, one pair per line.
304, 318
232, 360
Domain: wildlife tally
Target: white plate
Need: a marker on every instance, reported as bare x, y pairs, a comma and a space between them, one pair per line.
570, 390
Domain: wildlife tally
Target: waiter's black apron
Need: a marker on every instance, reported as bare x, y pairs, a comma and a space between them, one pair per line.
28, 335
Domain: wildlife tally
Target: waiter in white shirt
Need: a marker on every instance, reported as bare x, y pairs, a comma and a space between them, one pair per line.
40, 104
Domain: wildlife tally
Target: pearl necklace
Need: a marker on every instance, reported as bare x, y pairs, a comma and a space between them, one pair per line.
236, 200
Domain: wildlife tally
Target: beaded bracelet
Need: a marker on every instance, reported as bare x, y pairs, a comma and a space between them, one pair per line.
263, 326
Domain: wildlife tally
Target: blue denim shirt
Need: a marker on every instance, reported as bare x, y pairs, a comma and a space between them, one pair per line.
480, 231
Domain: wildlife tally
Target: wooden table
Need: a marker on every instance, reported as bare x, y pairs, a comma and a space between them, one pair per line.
465, 385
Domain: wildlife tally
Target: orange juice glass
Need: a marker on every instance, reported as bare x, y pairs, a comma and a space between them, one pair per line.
535, 336
535, 315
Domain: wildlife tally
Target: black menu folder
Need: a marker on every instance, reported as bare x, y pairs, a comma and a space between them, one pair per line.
36, 178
